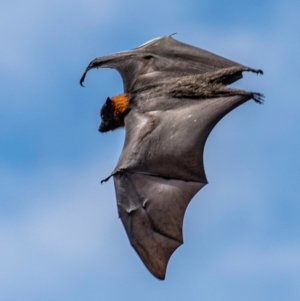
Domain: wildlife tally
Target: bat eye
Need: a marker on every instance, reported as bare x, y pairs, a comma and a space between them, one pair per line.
148, 57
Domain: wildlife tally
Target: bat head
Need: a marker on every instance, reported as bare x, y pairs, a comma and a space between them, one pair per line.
108, 120
113, 112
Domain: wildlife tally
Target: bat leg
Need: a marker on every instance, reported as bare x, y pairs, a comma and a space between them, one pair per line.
223, 75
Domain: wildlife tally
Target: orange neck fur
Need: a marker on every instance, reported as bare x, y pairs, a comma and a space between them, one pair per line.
120, 103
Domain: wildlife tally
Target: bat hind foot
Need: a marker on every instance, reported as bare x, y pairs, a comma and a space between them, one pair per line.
258, 97
257, 71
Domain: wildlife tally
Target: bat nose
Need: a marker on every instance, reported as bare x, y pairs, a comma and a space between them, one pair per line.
102, 128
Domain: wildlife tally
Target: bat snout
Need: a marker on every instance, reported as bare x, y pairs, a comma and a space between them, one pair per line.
101, 128
106, 127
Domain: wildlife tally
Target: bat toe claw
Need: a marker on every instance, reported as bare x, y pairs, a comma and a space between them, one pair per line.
258, 97
257, 71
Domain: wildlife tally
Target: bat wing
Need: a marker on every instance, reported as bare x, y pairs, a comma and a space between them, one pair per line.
166, 57
160, 170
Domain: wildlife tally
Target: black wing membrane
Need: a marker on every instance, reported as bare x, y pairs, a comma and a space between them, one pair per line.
160, 170
166, 57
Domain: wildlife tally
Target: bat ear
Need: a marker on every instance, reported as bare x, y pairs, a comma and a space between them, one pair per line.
108, 101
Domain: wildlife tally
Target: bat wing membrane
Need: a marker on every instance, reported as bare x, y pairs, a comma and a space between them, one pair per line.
152, 210
165, 56
160, 170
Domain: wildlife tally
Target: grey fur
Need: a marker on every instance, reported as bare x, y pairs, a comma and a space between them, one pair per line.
200, 86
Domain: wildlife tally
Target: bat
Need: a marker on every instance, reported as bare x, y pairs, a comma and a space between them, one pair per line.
174, 95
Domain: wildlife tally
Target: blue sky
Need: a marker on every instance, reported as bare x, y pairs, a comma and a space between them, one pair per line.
60, 238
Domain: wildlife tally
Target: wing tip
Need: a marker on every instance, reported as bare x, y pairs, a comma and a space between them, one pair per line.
84, 75
160, 276
157, 261
82, 79
158, 271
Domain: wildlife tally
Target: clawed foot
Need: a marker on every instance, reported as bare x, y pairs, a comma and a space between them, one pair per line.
258, 97
257, 71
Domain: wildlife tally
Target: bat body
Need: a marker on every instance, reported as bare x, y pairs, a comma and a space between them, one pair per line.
174, 94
